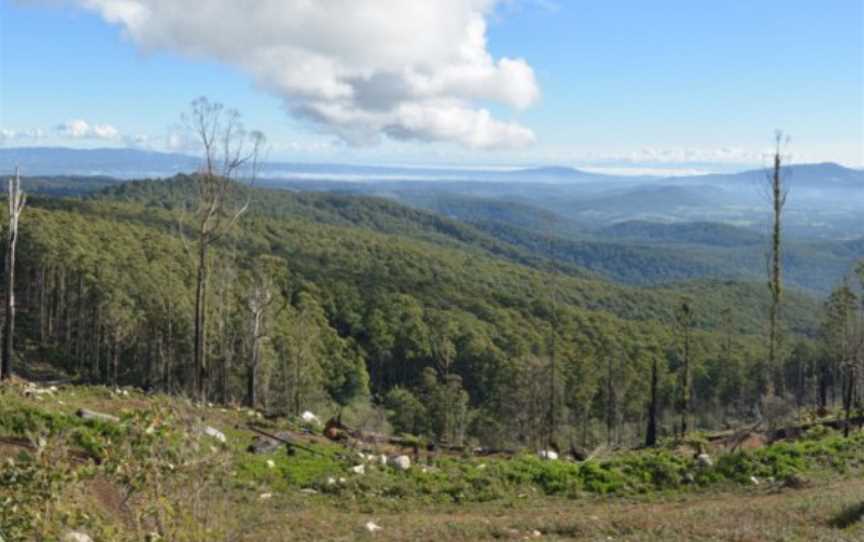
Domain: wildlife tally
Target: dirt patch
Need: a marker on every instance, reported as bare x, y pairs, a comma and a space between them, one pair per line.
10, 447
110, 499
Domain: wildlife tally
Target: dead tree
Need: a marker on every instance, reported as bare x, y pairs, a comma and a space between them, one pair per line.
259, 301
17, 200
778, 192
230, 154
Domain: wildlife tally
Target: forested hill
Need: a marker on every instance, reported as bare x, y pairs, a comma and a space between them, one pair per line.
370, 213
368, 296
698, 233
406, 224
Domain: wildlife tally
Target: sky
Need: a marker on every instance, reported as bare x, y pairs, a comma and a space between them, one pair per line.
621, 85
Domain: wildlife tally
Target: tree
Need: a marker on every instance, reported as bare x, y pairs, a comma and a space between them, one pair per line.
259, 300
651, 432
17, 200
842, 335
684, 320
778, 192
229, 154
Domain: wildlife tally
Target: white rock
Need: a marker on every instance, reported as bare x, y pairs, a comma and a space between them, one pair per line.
383, 460
371, 526
331, 481
342, 481
359, 469
308, 491
548, 454
308, 417
481, 466
754, 480
401, 462
215, 433
271, 464
704, 460
265, 496
76, 536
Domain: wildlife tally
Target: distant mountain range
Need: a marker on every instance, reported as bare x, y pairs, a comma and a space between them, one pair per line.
133, 163
826, 200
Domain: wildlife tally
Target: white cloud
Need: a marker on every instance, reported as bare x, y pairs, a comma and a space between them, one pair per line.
79, 129
361, 69
7, 135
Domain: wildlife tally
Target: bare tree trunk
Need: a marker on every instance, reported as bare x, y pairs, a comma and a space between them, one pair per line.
651, 433
17, 200
778, 200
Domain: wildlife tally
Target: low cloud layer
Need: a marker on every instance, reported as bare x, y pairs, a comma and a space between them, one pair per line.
364, 70
10, 136
80, 129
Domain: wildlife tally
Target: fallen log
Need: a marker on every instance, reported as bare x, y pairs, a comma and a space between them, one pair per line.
288, 443
85, 414
798, 430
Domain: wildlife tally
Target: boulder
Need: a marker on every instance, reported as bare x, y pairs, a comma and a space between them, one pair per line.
548, 454
309, 417
400, 462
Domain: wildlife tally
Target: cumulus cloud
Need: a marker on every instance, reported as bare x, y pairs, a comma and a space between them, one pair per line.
79, 129
361, 69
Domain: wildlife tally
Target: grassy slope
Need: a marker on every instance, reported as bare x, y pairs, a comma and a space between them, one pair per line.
154, 472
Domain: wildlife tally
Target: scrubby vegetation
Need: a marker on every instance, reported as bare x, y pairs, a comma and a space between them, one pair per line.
155, 474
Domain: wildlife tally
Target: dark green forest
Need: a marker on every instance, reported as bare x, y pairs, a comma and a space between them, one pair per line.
358, 305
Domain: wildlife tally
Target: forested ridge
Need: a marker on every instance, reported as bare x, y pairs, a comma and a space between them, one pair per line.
320, 300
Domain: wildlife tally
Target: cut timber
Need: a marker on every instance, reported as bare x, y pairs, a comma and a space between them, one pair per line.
93, 415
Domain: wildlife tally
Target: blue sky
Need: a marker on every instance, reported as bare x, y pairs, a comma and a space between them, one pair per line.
621, 84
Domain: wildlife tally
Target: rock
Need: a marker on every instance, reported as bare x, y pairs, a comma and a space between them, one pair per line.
215, 433
265, 496
76, 536
331, 481
704, 461
401, 462
271, 464
754, 480
309, 417
548, 454
372, 527
689, 478
308, 491
358, 469
383, 460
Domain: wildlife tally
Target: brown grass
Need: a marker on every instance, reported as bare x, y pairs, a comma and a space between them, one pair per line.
756, 516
